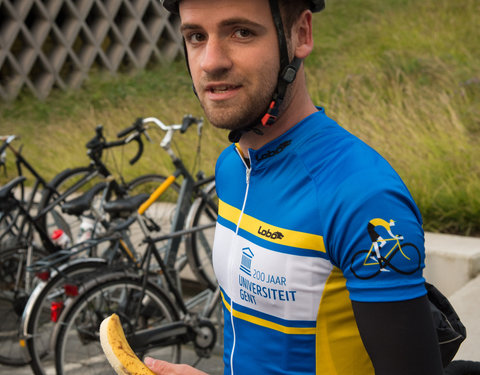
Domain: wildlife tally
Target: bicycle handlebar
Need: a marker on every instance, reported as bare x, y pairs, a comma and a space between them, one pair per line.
188, 120
98, 143
137, 125
7, 139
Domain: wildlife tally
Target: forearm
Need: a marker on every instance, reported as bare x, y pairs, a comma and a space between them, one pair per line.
399, 337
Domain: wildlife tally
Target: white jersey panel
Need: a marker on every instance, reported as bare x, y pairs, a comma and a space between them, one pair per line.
282, 285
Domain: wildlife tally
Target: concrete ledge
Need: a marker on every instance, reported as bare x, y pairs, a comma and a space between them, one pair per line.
465, 303
451, 261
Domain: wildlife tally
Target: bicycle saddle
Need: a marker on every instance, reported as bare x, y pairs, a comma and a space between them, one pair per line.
8, 187
125, 207
79, 205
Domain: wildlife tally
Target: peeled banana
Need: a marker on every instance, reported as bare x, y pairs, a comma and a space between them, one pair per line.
117, 350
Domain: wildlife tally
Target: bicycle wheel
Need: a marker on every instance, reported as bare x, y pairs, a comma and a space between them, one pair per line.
364, 270
11, 217
55, 218
200, 243
76, 340
14, 292
405, 259
38, 320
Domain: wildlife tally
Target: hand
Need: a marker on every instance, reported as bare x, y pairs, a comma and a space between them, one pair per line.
166, 368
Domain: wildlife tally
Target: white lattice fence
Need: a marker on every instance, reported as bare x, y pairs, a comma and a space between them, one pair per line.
55, 43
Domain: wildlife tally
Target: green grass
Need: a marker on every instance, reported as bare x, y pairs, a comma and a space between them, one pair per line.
403, 75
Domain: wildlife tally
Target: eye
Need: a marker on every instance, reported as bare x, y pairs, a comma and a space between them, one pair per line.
243, 33
195, 38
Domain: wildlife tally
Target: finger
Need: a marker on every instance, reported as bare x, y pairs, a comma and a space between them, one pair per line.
158, 367
165, 368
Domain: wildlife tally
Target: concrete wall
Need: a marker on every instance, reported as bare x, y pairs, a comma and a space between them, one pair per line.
451, 261
46, 44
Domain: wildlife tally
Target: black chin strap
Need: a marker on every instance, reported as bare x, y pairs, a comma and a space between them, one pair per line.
288, 72
288, 76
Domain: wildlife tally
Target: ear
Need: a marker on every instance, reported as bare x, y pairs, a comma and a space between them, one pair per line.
302, 35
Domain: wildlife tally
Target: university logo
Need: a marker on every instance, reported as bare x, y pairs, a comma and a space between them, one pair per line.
246, 262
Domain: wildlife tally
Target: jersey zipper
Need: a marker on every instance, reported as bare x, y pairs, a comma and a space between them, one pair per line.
230, 266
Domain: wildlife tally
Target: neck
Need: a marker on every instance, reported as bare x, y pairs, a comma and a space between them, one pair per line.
297, 106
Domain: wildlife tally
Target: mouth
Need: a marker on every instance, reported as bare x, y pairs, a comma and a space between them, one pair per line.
221, 89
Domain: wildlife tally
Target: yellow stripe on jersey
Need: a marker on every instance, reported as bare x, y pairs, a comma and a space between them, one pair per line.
267, 324
337, 333
290, 237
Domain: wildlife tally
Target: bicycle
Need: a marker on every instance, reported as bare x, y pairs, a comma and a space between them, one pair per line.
39, 303
152, 321
367, 264
131, 295
60, 276
68, 183
23, 224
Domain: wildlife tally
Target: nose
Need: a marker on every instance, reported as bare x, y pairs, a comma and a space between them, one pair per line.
216, 57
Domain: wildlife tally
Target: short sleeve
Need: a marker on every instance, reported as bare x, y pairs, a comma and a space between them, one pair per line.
377, 239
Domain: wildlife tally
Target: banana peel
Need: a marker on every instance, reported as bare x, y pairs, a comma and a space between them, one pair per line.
117, 350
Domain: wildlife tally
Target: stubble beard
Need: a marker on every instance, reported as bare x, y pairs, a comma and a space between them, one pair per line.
241, 114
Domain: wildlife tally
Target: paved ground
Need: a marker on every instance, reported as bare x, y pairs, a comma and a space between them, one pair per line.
212, 365
466, 303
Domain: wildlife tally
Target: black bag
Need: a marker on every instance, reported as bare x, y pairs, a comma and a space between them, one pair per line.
450, 330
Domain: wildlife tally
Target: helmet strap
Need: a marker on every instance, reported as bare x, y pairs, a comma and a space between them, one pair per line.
286, 77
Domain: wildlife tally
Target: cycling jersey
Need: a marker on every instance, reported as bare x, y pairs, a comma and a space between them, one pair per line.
316, 219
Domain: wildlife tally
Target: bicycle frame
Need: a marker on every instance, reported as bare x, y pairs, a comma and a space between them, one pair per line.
21, 162
97, 168
380, 258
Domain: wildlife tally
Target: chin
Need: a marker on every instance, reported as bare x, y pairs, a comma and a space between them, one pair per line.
231, 120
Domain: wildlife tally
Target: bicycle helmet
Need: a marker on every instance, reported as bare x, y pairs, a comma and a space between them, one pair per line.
288, 69
172, 5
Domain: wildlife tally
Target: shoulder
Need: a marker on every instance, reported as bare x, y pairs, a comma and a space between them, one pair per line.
332, 154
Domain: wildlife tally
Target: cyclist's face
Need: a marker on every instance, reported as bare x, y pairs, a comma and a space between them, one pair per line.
233, 57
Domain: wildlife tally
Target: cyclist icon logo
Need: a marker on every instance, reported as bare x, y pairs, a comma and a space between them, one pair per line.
385, 254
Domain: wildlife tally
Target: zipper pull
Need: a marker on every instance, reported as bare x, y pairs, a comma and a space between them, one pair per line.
248, 176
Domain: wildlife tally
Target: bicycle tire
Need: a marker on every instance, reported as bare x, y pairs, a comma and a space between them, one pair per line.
10, 216
413, 256
76, 340
55, 218
9, 231
14, 294
200, 243
37, 325
362, 271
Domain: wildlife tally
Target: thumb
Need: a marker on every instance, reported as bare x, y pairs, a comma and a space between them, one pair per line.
166, 368
158, 367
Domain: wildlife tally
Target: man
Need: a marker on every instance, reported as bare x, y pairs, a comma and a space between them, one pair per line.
302, 293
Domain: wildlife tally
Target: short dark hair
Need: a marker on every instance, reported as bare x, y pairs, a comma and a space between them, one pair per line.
291, 10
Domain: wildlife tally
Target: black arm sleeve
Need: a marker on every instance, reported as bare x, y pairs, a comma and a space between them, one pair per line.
399, 337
